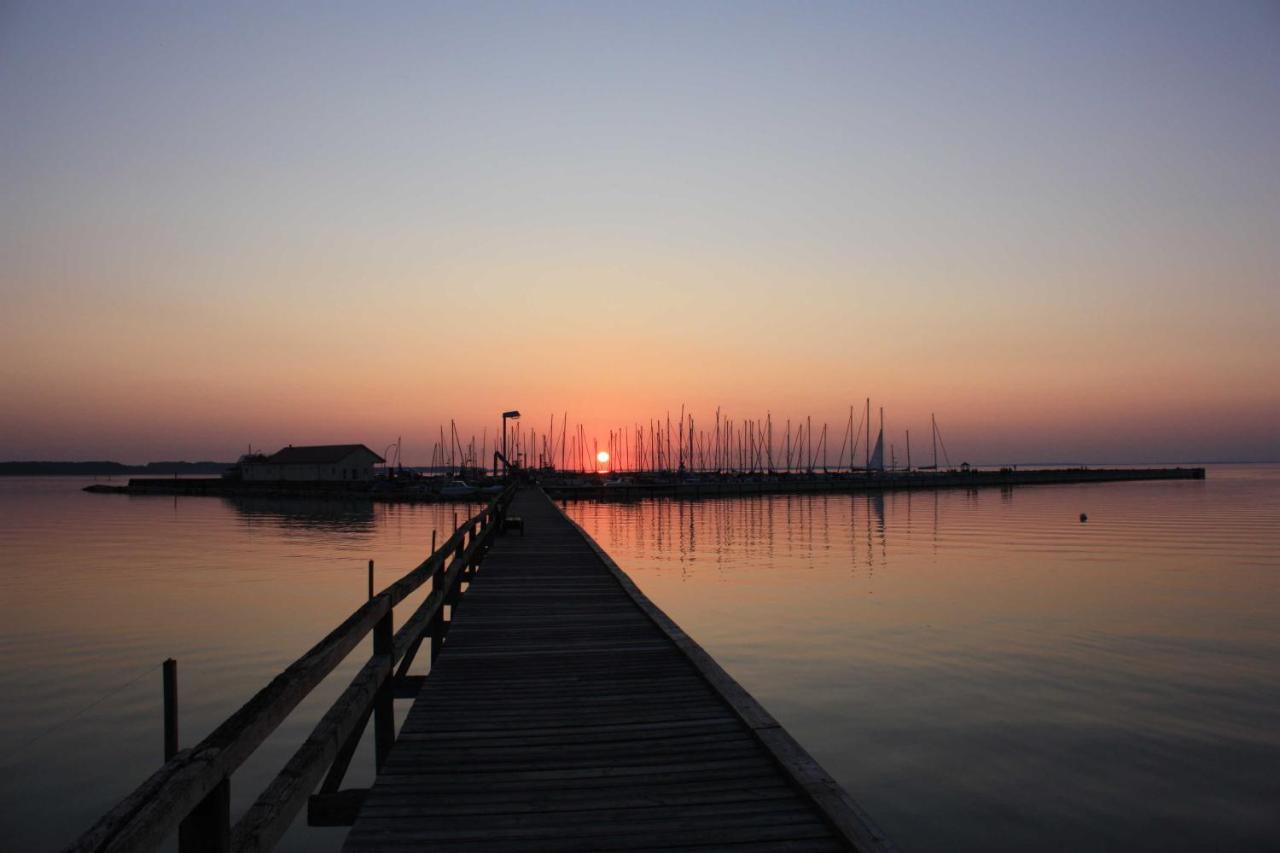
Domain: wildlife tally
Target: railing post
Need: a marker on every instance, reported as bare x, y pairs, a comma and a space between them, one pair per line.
207, 829
170, 708
384, 719
437, 621
371, 579
451, 594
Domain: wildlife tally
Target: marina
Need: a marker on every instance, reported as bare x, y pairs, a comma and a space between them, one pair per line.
731, 458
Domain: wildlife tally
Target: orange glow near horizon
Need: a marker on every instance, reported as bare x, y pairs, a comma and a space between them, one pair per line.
620, 232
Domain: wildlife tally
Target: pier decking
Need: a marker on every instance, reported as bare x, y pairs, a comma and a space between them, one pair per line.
569, 714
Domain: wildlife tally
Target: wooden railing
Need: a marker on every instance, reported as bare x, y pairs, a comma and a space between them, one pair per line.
191, 792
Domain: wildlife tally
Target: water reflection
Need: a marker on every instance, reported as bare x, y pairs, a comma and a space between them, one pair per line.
754, 528
351, 516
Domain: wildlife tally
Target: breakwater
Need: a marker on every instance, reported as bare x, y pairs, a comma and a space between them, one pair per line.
845, 482
373, 490
579, 487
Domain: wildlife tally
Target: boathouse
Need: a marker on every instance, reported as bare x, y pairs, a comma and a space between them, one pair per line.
325, 462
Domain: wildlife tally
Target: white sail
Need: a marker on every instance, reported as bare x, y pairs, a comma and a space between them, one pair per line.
877, 455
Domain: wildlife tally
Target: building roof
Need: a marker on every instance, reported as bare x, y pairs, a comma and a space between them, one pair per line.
319, 454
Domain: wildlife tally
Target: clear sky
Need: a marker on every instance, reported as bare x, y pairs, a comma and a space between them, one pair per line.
1056, 225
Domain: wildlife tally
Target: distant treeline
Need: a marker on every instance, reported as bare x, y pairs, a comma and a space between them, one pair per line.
99, 469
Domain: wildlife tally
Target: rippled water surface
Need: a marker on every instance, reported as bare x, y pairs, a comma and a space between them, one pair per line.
980, 669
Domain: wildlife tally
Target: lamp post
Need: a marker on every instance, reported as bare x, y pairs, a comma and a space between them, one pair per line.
506, 416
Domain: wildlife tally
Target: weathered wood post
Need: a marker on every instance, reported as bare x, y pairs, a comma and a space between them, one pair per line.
452, 594
207, 829
437, 621
384, 720
459, 559
170, 708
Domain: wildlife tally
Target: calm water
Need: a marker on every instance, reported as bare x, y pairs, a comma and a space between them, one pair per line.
979, 669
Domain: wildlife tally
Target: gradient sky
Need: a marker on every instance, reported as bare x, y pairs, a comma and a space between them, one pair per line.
1056, 225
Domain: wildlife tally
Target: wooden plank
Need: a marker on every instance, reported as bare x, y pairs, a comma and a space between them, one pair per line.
674, 733
626, 729
385, 838
488, 803
589, 822
753, 769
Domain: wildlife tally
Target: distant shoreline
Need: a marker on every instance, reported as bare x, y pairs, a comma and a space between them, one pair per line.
159, 469
107, 468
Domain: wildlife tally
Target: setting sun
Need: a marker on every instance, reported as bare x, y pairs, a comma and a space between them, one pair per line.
602, 457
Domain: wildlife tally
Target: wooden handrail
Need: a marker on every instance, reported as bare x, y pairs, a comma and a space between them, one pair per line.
268, 819
142, 820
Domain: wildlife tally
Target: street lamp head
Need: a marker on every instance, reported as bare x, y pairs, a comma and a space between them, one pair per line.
511, 414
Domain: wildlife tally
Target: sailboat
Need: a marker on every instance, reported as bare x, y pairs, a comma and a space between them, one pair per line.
876, 463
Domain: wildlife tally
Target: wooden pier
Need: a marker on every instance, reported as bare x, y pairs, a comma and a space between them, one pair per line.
563, 711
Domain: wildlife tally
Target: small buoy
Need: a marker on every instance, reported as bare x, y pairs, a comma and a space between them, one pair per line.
1084, 517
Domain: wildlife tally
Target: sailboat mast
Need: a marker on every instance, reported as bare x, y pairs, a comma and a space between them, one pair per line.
692, 464
933, 421
789, 446
853, 448
868, 449
809, 443
768, 419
